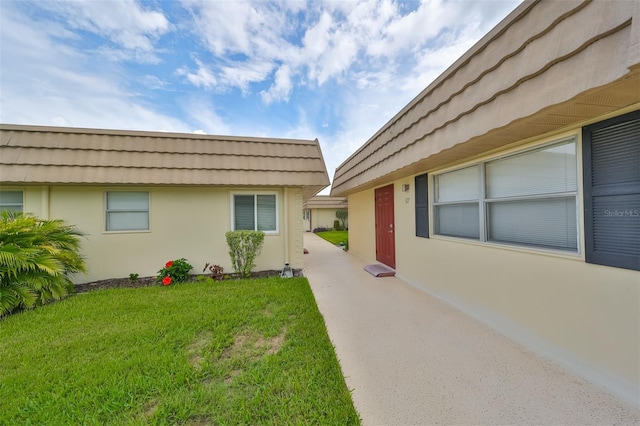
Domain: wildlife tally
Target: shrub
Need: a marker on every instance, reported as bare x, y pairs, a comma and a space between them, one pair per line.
320, 229
244, 247
174, 271
217, 271
336, 225
37, 257
342, 214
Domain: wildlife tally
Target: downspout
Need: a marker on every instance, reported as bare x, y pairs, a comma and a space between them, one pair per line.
285, 218
44, 202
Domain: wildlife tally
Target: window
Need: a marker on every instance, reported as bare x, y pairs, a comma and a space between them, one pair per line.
11, 201
127, 211
528, 199
611, 155
457, 203
306, 214
255, 212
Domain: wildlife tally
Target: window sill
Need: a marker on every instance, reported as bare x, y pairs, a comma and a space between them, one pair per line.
132, 231
509, 247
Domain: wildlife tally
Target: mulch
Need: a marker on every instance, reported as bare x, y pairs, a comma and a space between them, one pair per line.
151, 281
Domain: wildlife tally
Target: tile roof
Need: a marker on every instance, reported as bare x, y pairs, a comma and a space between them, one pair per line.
57, 155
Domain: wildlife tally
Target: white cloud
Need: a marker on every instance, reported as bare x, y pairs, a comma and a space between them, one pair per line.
124, 22
281, 88
51, 83
202, 77
357, 62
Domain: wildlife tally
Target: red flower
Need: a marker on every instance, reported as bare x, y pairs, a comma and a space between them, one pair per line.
168, 264
166, 280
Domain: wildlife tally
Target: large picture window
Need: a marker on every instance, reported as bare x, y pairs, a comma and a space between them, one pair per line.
11, 200
255, 212
528, 199
127, 211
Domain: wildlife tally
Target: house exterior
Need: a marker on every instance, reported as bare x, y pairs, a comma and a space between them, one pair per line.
143, 198
320, 212
510, 187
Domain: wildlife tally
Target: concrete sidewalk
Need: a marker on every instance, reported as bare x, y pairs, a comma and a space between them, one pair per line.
410, 359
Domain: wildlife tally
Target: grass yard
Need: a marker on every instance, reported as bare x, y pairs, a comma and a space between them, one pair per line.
335, 237
228, 353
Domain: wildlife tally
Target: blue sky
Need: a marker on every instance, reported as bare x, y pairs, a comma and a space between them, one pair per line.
332, 70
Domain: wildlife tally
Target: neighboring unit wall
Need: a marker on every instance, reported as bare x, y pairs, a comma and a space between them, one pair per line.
323, 218
188, 222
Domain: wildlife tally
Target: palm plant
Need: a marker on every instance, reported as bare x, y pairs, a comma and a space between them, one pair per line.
36, 259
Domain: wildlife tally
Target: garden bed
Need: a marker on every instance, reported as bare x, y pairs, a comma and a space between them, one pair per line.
151, 281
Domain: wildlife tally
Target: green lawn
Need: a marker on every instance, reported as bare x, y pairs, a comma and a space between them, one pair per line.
228, 353
335, 237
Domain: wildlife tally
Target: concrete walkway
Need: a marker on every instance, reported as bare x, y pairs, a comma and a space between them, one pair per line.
410, 359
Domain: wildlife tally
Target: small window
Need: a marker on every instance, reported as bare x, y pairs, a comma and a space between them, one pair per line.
255, 212
127, 211
11, 201
456, 205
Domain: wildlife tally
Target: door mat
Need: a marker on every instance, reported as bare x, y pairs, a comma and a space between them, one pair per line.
379, 270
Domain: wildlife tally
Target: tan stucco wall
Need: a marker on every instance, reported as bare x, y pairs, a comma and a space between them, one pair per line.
584, 316
187, 222
362, 241
324, 218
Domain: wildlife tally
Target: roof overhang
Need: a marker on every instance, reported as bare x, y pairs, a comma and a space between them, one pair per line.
544, 69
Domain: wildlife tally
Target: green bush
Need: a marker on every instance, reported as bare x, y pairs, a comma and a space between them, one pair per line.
244, 247
336, 225
36, 259
342, 214
174, 271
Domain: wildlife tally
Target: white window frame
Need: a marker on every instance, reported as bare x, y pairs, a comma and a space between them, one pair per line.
484, 202
21, 205
107, 211
255, 218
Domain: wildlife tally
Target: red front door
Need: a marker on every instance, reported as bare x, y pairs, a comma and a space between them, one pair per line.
385, 227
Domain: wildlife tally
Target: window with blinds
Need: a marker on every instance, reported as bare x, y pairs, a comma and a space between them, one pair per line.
611, 167
526, 199
127, 211
456, 205
255, 212
11, 200
531, 198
